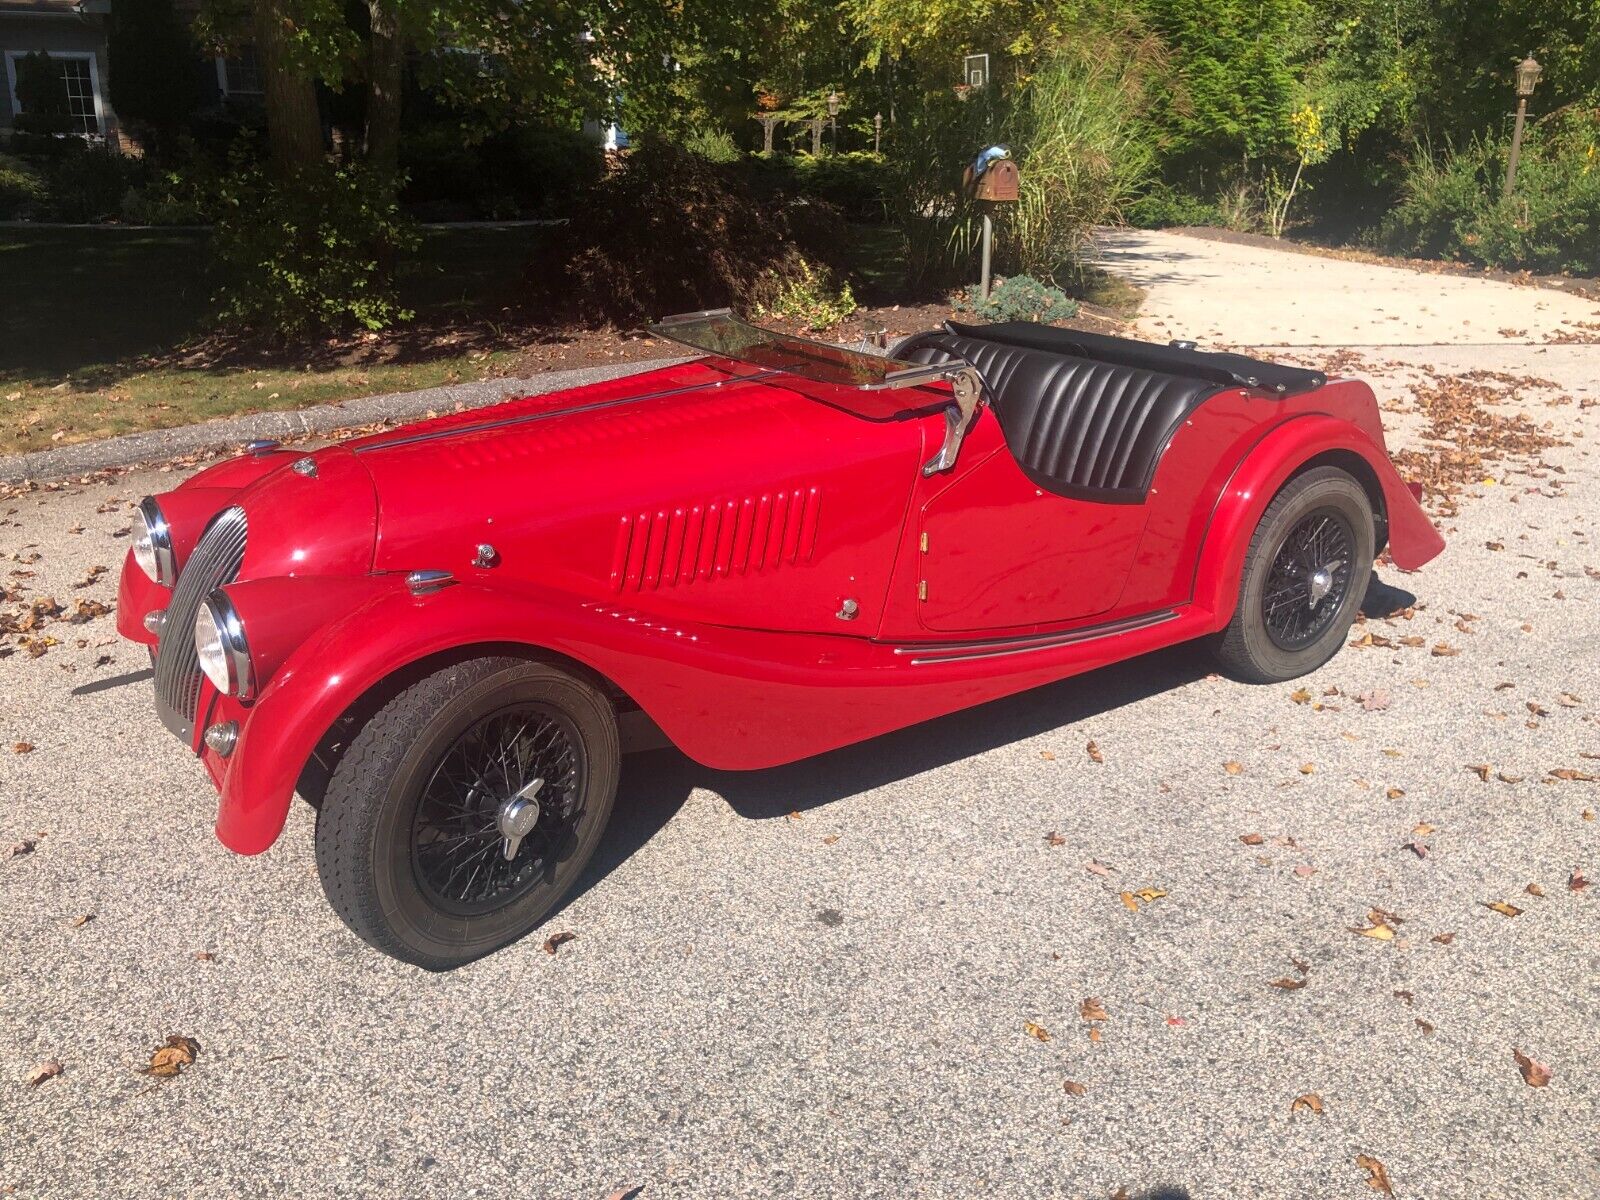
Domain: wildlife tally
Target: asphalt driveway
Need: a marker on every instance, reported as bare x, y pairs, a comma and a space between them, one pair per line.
907, 968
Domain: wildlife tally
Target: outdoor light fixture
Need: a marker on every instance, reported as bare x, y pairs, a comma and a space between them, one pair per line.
833, 117
1528, 72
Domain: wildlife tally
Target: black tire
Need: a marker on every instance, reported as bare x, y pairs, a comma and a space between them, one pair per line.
1284, 633
399, 814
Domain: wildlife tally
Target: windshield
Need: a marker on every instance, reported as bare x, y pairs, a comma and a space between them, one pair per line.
721, 333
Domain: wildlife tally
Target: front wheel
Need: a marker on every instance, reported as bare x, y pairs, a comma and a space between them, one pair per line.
466, 807
1304, 578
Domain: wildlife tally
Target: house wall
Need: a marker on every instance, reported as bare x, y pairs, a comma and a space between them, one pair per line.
24, 33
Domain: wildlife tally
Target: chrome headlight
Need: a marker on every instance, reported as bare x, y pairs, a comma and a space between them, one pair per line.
152, 544
219, 644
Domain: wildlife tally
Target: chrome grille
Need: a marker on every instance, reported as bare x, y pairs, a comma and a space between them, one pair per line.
214, 562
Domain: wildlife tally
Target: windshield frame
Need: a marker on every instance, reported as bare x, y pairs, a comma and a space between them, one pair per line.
805, 358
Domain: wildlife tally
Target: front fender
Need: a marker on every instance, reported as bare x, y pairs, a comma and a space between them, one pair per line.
1270, 464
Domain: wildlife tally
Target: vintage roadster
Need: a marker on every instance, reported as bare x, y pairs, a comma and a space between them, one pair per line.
445, 636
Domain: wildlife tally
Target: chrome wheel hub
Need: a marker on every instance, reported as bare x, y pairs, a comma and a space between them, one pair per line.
518, 817
1320, 584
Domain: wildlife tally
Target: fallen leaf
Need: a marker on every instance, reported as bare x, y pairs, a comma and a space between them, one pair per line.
1252, 839
1094, 753
22, 748
1308, 768
1097, 868
1504, 778
1420, 849
1128, 902
1444, 939
1310, 1102
172, 1057
1047, 755
1534, 1072
1572, 776
1374, 701
204, 956
794, 816
1233, 768
1149, 894
1424, 1025
830, 839
1305, 870
1055, 839
1481, 770
1395, 793
1533, 889
1444, 650
1377, 1177
556, 940
1093, 1009
80, 921
1094, 1034
1576, 881
1568, 700
1300, 696
1381, 933
1036, 1031
1288, 983
1504, 909
1423, 829
1073, 1088
25, 846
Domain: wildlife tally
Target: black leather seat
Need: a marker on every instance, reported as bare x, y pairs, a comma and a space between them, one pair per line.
1079, 428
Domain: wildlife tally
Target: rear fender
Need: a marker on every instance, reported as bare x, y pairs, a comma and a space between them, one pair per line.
1271, 463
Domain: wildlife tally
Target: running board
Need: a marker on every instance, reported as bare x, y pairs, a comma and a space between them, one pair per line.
944, 652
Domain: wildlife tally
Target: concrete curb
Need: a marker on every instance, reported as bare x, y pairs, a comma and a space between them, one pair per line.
230, 433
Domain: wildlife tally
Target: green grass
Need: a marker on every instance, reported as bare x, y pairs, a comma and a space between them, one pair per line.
92, 318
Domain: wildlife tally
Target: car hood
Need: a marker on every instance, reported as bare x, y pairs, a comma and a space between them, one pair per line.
549, 481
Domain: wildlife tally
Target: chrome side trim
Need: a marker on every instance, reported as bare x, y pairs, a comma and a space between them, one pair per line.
528, 418
160, 541
941, 652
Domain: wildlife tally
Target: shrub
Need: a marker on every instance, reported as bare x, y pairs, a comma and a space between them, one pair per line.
87, 183
1163, 206
1452, 206
1019, 298
309, 254
854, 183
668, 231
515, 173
713, 145
22, 190
811, 295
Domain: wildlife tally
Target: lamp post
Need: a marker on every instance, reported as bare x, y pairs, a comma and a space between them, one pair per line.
1528, 72
877, 131
833, 117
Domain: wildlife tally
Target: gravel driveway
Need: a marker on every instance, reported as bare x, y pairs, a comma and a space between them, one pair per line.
906, 968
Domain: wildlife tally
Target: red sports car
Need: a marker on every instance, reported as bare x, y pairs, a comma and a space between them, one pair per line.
445, 636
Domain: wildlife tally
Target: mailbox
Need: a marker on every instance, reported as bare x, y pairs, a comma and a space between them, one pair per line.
998, 183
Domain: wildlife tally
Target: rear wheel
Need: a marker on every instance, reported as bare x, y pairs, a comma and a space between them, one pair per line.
1304, 577
466, 807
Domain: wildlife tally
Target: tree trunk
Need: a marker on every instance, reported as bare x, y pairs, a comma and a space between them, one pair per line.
386, 61
294, 126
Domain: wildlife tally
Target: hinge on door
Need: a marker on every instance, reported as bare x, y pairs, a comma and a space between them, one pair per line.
924, 543
922, 589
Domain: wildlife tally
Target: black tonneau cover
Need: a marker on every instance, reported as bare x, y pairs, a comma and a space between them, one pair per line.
1228, 370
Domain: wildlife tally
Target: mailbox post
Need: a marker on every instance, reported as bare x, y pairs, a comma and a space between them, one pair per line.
999, 184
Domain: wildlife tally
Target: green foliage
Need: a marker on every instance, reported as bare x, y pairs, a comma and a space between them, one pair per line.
854, 183
810, 294
1164, 205
87, 183
1018, 298
522, 172
1452, 205
713, 145
23, 193
309, 254
668, 231
154, 64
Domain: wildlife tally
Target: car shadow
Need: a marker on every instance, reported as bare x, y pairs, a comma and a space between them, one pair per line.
655, 784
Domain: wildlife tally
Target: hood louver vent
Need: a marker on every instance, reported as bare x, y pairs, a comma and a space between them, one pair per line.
703, 542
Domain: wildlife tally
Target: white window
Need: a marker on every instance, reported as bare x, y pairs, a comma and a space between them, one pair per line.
80, 89
240, 74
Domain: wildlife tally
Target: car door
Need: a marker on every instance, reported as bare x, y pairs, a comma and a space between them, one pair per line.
999, 552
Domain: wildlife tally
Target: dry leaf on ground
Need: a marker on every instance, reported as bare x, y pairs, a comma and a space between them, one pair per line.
172, 1057
1288, 983
1504, 909
1073, 1088
22, 748
1036, 1031
1252, 839
1093, 1009
1094, 753
1233, 768
1576, 882
556, 940
1055, 839
1377, 1177
48, 1069
1310, 1102
1534, 1073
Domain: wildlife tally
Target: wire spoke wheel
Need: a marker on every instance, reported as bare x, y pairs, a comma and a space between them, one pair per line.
1309, 579
501, 810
